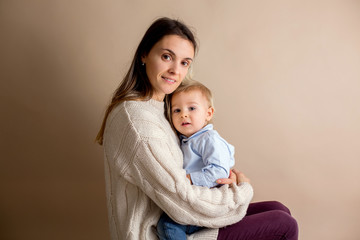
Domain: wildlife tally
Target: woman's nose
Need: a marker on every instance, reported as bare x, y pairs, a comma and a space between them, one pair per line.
174, 68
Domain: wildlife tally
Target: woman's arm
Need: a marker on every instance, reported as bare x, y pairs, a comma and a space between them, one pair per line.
157, 172
145, 152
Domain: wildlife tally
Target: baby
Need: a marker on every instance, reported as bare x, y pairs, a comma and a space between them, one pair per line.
207, 156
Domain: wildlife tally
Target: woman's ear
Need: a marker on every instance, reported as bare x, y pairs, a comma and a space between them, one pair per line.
143, 59
210, 113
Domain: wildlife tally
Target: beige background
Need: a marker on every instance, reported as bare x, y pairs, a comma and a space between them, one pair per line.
286, 80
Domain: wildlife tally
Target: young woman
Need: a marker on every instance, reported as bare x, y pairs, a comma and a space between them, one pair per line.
143, 160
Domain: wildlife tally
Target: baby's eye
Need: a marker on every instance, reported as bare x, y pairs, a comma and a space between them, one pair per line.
166, 57
192, 108
176, 110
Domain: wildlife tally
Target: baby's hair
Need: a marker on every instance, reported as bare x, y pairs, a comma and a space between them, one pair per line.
186, 86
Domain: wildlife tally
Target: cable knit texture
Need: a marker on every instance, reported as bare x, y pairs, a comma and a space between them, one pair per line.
144, 176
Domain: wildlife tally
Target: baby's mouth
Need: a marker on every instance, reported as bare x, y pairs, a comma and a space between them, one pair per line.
185, 123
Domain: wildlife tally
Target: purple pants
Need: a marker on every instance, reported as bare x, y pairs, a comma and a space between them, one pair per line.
263, 221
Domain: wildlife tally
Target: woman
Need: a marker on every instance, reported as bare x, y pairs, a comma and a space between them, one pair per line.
143, 161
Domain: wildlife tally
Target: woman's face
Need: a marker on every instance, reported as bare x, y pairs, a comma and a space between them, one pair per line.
167, 64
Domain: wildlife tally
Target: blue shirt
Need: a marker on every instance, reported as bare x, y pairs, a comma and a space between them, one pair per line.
207, 156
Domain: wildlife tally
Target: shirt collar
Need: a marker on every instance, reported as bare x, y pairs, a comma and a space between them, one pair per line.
204, 129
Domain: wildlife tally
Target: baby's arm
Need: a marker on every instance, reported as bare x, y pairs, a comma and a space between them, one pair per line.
218, 158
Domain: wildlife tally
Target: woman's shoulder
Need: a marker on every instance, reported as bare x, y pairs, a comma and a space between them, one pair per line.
145, 117
137, 110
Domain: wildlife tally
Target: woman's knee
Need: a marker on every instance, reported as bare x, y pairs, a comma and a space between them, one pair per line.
287, 224
272, 224
279, 206
260, 207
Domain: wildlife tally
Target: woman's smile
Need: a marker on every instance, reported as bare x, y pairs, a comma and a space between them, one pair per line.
169, 80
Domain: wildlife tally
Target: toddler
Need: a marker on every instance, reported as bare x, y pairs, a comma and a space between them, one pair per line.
207, 156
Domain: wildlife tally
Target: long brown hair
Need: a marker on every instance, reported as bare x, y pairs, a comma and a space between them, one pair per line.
136, 85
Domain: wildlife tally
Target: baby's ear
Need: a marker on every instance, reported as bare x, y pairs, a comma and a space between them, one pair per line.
210, 113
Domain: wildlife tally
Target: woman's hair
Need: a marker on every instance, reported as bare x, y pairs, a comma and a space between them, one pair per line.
186, 86
136, 85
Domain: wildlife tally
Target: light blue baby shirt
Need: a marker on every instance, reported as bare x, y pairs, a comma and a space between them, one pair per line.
207, 156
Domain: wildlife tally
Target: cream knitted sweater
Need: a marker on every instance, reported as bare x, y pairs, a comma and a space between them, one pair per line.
144, 176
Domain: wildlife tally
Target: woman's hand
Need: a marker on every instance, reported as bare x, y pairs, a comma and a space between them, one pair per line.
235, 177
189, 177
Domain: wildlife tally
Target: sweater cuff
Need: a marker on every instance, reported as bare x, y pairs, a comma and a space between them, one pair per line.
205, 234
247, 190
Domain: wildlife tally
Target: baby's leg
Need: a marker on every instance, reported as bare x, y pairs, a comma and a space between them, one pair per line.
167, 229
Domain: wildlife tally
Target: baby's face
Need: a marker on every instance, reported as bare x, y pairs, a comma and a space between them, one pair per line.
190, 111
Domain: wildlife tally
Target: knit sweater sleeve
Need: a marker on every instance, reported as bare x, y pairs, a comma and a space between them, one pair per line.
152, 164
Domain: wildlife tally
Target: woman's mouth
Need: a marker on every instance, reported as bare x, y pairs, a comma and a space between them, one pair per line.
169, 80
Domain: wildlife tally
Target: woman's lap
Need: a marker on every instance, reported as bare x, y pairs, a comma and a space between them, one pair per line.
259, 207
263, 221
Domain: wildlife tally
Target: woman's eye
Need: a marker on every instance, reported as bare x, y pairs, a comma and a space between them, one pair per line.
185, 63
166, 57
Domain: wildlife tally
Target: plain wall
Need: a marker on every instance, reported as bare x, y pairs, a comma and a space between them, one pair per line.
286, 80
